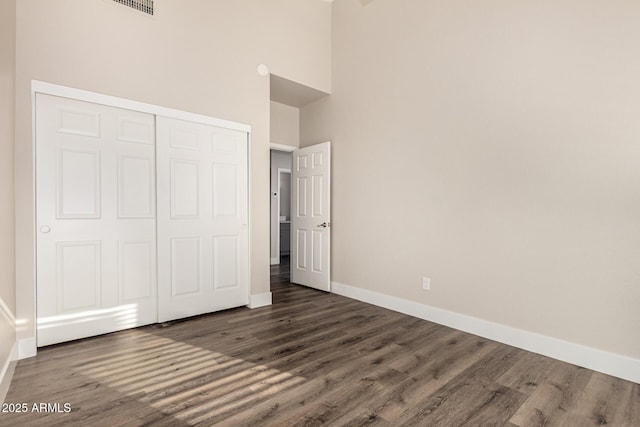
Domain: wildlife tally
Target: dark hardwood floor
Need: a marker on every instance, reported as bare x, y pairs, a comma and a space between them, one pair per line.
310, 359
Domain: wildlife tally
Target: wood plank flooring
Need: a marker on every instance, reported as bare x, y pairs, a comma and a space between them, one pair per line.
310, 359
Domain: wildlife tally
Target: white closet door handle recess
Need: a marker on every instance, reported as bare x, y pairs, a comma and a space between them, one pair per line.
45, 229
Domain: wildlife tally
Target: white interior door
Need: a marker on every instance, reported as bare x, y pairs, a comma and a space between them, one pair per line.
95, 195
203, 250
311, 216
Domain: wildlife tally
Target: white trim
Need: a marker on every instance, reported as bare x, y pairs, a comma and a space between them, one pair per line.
278, 226
260, 300
249, 215
27, 347
7, 371
113, 101
328, 207
599, 360
282, 147
275, 260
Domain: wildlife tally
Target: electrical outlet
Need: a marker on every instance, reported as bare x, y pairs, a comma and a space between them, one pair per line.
426, 283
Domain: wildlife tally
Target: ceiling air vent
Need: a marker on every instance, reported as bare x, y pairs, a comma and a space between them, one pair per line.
145, 6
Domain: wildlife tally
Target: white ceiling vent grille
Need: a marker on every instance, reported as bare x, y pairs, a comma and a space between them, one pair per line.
145, 6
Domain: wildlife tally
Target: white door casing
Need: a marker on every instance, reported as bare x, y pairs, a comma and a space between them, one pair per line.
96, 237
279, 202
311, 216
202, 218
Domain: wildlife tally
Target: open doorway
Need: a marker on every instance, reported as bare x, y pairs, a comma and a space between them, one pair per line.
287, 97
280, 217
301, 214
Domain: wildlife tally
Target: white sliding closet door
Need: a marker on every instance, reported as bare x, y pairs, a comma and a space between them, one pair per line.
95, 195
202, 218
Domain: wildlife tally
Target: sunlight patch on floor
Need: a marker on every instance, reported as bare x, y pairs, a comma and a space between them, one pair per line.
188, 382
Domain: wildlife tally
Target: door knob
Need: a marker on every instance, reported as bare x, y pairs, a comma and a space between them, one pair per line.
324, 225
45, 229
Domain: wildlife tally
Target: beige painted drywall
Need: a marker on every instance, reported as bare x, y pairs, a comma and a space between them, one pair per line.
198, 56
279, 159
494, 147
7, 223
285, 124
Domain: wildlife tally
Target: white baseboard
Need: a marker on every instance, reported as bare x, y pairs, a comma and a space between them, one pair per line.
588, 357
275, 260
260, 300
27, 347
7, 371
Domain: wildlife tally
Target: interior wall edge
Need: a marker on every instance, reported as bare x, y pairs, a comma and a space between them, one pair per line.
27, 347
617, 365
260, 300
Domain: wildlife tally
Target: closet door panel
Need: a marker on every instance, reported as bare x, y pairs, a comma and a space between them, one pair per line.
202, 218
95, 197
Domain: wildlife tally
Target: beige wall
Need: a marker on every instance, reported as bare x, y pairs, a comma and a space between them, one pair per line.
7, 117
494, 147
285, 124
200, 57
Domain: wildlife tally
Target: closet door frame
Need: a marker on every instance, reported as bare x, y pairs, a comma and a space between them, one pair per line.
27, 344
